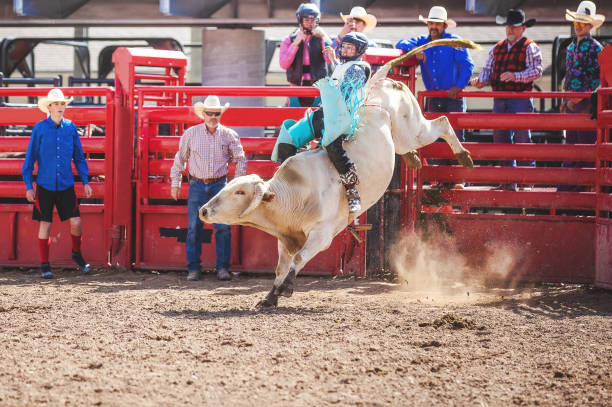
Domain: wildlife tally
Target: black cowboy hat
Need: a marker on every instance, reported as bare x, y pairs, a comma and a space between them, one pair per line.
515, 18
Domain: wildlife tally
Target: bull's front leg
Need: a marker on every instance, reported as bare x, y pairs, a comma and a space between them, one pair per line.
318, 240
286, 288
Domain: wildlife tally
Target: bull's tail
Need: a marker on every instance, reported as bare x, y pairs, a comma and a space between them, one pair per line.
449, 42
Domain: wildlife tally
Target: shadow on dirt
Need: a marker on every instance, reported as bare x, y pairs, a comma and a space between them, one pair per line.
559, 302
104, 281
237, 312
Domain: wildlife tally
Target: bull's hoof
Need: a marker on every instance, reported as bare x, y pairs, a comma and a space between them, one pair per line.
285, 292
270, 301
465, 159
286, 288
412, 160
267, 303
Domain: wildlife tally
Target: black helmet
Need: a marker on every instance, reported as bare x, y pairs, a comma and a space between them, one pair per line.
359, 40
308, 10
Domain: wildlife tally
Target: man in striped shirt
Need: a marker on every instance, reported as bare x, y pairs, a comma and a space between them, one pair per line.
207, 149
513, 65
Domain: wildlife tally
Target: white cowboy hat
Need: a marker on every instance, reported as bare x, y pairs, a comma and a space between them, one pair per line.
437, 14
586, 13
54, 95
211, 104
361, 14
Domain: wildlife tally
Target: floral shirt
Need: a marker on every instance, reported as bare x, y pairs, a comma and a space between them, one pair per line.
581, 66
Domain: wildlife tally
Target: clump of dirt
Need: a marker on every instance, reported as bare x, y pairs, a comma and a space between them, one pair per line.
452, 321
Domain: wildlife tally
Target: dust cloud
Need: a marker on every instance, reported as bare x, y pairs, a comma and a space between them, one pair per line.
432, 268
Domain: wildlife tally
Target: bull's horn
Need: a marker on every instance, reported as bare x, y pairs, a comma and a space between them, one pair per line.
449, 42
260, 188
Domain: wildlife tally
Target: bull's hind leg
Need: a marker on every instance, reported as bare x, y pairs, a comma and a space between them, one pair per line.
412, 160
286, 289
441, 128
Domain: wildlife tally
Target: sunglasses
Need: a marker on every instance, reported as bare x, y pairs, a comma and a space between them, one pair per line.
214, 114
578, 24
355, 20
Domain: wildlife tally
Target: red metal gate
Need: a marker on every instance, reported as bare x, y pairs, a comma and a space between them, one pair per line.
160, 224
17, 244
603, 215
548, 247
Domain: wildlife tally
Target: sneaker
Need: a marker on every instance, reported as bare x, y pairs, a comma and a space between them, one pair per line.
193, 276
77, 257
223, 275
45, 271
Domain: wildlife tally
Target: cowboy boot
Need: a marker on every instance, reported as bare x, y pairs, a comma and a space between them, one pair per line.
350, 179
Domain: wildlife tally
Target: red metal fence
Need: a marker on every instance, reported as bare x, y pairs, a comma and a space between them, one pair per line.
16, 247
161, 223
550, 247
138, 225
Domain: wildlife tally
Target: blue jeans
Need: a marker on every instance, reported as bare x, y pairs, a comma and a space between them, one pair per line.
513, 136
578, 137
444, 105
199, 194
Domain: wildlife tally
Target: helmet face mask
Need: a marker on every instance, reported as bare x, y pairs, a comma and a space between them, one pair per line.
359, 44
308, 10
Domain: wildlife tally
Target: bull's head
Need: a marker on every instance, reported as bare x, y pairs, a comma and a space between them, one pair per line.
236, 200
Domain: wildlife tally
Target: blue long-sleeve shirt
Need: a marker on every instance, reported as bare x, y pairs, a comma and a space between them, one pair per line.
444, 67
54, 147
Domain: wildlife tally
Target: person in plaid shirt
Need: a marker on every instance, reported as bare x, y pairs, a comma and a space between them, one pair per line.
581, 75
513, 65
207, 149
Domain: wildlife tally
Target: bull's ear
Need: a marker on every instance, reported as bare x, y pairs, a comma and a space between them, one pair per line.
268, 197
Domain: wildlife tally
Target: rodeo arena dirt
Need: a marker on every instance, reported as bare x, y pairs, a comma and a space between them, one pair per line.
459, 282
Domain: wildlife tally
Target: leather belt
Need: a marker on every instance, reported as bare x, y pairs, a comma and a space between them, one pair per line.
208, 180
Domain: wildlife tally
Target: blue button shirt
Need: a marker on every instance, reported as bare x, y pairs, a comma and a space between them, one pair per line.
444, 67
54, 147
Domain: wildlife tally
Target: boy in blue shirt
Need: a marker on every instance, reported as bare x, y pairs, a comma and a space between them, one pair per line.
54, 143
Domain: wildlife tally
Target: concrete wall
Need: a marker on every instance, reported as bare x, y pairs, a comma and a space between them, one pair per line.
235, 57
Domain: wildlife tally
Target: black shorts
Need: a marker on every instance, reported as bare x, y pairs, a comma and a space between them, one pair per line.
65, 201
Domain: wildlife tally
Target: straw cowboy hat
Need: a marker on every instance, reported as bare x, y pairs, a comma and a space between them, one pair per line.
211, 104
54, 95
359, 13
437, 14
586, 13
515, 18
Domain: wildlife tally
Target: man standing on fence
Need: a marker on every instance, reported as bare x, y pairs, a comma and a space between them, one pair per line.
513, 65
54, 143
442, 68
581, 75
207, 148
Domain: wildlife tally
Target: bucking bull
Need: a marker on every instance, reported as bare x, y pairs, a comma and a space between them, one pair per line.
303, 204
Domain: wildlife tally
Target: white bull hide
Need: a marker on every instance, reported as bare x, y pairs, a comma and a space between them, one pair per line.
304, 204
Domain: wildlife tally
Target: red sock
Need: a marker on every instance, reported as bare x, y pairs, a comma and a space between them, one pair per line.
76, 243
43, 247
